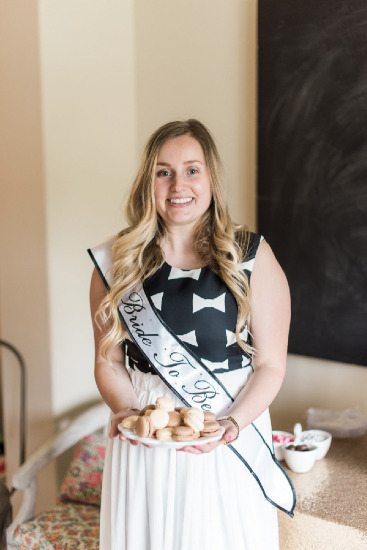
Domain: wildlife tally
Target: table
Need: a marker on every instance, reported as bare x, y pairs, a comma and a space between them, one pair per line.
331, 511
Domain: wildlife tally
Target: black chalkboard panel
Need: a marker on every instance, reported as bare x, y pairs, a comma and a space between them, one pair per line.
312, 167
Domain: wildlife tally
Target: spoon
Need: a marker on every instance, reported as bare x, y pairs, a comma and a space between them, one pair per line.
297, 431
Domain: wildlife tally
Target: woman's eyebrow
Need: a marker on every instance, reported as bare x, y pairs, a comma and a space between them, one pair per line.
186, 162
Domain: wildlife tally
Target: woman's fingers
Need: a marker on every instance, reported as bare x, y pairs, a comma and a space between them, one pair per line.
115, 421
229, 435
200, 449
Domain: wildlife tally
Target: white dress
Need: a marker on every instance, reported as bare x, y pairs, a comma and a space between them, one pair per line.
162, 499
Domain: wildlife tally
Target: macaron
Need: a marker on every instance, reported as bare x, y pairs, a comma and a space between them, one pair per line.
194, 421
182, 433
164, 434
209, 416
194, 411
129, 422
174, 419
165, 403
144, 427
159, 418
211, 428
147, 408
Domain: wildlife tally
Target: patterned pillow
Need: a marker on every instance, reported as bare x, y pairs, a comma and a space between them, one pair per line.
66, 526
83, 480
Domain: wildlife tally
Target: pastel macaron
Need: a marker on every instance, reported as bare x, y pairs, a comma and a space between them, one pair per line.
195, 421
211, 428
144, 427
209, 416
164, 434
129, 422
145, 409
182, 433
159, 418
165, 403
174, 419
194, 411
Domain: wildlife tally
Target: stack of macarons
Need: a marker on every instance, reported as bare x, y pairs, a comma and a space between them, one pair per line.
166, 422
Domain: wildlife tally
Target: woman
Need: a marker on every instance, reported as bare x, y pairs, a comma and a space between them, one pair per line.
196, 267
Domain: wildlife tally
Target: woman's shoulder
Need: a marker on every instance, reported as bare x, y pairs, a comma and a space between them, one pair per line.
248, 242
102, 257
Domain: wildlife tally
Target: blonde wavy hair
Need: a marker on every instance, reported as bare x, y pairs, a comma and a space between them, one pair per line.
220, 244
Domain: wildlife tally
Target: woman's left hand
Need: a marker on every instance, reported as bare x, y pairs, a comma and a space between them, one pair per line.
228, 436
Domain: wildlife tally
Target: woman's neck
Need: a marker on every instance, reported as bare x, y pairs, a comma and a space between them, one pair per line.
178, 249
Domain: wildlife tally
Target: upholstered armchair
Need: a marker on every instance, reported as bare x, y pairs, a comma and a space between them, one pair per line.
74, 521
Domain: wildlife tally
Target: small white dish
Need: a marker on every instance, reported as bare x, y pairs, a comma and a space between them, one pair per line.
300, 461
130, 434
319, 438
285, 438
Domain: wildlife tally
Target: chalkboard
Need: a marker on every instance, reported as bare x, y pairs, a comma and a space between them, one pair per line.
312, 167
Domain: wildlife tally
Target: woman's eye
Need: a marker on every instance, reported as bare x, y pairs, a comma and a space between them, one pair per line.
193, 171
163, 173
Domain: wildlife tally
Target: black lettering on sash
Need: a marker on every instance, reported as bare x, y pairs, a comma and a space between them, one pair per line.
135, 305
179, 360
203, 390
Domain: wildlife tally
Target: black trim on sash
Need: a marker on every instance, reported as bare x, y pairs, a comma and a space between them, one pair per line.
104, 280
290, 513
279, 466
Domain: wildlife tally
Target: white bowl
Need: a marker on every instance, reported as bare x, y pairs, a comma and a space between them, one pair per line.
300, 461
278, 446
319, 438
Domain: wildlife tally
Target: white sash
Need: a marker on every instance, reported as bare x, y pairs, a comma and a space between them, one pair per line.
196, 385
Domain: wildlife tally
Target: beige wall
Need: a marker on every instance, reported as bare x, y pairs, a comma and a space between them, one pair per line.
24, 312
321, 384
108, 79
86, 82
88, 108
197, 59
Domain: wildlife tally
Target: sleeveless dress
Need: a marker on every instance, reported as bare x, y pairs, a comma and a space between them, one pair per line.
161, 499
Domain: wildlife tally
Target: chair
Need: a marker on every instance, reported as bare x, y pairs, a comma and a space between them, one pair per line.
74, 521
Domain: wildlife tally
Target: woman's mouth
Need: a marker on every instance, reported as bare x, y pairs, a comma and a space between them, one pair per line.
182, 201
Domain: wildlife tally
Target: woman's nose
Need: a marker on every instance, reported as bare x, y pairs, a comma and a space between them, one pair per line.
178, 183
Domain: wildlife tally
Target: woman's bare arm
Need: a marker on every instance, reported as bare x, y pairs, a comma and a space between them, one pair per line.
112, 379
270, 318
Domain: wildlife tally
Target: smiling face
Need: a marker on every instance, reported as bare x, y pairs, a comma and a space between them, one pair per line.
182, 182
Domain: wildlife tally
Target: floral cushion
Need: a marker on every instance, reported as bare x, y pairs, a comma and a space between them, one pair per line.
66, 526
83, 480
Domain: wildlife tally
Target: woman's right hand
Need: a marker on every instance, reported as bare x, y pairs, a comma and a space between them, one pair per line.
117, 418
115, 421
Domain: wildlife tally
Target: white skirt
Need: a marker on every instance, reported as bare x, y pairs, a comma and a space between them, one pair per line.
161, 499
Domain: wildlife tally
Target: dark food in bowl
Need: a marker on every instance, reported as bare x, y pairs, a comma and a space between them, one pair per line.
298, 448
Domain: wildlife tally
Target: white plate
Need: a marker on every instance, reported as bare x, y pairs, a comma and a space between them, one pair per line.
169, 444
